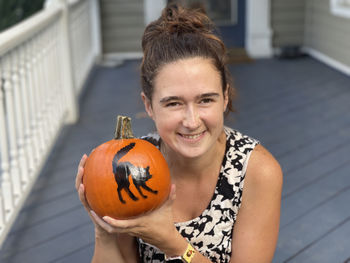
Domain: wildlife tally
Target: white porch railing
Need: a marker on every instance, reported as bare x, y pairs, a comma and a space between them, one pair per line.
44, 62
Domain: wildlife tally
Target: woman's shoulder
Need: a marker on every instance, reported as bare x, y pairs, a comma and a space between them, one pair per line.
263, 171
260, 165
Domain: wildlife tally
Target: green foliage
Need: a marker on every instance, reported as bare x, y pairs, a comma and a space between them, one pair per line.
14, 11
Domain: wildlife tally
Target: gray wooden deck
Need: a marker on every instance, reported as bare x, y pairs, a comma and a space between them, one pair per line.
299, 109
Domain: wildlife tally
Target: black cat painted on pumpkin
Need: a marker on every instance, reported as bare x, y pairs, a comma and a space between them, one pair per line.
123, 170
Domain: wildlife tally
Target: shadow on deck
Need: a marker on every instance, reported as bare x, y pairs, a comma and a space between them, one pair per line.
298, 109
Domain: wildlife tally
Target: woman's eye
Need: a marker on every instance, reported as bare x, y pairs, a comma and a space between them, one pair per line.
206, 101
172, 104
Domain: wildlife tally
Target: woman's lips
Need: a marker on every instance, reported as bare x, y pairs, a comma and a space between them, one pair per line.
192, 137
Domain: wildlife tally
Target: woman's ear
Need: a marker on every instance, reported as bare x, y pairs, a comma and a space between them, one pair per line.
226, 97
148, 105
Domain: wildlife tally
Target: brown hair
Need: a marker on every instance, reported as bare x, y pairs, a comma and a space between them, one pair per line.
178, 34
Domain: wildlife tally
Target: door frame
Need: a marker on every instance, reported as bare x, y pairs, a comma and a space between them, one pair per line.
258, 32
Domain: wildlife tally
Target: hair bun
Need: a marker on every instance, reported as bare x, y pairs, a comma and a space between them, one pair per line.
177, 19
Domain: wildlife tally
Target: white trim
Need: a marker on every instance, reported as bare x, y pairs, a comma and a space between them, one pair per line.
340, 8
258, 29
327, 60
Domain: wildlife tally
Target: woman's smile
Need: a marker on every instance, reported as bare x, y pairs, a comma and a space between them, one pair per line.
192, 138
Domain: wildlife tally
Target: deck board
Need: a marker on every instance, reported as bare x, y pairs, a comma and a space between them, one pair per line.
310, 197
322, 220
322, 251
299, 109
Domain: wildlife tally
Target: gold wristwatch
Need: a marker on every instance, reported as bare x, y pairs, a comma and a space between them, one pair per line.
185, 258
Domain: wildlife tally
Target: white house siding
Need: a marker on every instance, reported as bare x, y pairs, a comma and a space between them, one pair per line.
122, 23
326, 33
287, 22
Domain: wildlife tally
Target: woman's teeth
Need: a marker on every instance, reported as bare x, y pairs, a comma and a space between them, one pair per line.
195, 136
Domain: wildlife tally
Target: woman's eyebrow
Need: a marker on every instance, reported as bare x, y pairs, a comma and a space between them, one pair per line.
204, 95
169, 98
210, 94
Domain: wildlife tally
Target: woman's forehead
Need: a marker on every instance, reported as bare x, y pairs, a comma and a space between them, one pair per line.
185, 63
187, 71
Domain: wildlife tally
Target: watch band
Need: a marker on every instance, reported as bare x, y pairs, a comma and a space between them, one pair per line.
185, 258
189, 254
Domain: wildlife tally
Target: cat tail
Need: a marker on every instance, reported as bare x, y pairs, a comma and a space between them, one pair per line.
123, 151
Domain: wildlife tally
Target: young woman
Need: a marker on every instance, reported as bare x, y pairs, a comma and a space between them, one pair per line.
224, 204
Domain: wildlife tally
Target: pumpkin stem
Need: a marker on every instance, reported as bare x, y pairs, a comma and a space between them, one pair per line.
123, 128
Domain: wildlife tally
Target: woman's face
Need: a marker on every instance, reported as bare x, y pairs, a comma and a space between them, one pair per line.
188, 106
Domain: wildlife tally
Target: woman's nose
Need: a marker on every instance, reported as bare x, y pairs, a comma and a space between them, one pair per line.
191, 118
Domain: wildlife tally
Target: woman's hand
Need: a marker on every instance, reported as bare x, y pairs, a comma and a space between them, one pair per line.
155, 227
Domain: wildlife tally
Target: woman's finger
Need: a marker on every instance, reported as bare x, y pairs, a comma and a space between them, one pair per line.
104, 224
80, 172
79, 177
122, 225
81, 193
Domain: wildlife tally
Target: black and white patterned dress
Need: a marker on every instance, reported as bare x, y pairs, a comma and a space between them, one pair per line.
211, 232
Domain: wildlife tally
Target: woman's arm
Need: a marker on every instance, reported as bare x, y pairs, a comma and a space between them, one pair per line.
256, 230
128, 248
113, 247
106, 250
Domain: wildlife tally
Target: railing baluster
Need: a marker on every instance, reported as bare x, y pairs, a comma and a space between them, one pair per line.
42, 99
46, 86
6, 196
58, 78
37, 103
49, 84
32, 102
12, 133
23, 76
38, 94
22, 162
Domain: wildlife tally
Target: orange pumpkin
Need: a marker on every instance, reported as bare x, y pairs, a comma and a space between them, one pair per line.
125, 177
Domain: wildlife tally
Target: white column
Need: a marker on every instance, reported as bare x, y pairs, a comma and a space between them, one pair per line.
258, 29
152, 10
96, 28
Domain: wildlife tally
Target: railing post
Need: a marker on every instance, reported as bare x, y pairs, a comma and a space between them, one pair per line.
67, 61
